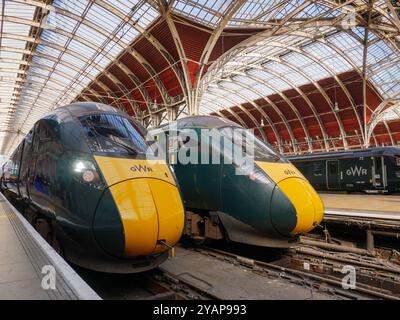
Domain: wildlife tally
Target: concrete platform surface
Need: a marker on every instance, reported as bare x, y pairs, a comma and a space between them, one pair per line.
227, 281
367, 206
27, 262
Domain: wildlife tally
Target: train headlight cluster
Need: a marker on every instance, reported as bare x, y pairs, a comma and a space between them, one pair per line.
86, 172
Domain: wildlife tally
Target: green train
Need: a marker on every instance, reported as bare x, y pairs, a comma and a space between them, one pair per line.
366, 170
85, 183
267, 204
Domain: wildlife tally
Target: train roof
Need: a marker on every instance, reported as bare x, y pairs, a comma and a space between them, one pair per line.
371, 152
208, 122
78, 109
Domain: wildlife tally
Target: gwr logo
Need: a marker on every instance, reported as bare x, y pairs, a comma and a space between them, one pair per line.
140, 168
289, 172
356, 171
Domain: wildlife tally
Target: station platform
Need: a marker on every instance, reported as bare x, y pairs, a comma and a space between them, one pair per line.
385, 207
24, 255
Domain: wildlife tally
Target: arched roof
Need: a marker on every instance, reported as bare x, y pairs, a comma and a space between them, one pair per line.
305, 75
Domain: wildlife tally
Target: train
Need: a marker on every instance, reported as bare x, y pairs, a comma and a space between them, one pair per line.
269, 203
372, 170
83, 179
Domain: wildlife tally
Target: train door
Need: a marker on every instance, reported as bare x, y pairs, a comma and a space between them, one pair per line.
332, 175
379, 179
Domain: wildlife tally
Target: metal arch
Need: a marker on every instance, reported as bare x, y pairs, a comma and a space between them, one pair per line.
377, 117
389, 132
120, 85
244, 110
303, 95
147, 66
83, 41
328, 69
46, 44
394, 13
295, 110
234, 114
38, 75
330, 72
274, 106
159, 47
304, 127
136, 81
212, 40
29, 82
281, 115
264, 115
62, 49
187, 88
152, 72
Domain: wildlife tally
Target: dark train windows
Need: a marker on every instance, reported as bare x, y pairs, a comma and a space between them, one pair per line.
261, 150
317, 169
112, 133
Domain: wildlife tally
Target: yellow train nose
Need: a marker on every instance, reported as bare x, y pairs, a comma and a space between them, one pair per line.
148, 201
307, 203
301, 195
151, 212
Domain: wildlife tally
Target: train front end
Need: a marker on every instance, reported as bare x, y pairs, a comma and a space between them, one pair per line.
295, 206
265, 192
136, 212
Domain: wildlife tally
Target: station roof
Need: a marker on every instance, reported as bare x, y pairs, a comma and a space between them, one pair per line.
305, 75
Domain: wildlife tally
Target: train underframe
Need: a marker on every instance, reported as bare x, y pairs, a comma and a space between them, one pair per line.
204, 225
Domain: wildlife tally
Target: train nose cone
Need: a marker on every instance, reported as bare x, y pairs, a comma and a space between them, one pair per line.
296, 207
150, 212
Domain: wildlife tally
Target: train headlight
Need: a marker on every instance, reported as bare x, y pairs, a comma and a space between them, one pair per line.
86, 172
255, 174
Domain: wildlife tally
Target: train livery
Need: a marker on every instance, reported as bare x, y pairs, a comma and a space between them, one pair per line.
85, 182
267, 205
366, 170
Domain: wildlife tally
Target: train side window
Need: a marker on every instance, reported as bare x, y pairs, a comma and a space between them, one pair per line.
398, 161
317, 169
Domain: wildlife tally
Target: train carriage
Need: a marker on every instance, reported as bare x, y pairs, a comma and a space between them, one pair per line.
86, 184
267, 204
368, 170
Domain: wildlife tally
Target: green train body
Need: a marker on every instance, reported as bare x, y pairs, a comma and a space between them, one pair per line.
369, 170
253, 207
83, 197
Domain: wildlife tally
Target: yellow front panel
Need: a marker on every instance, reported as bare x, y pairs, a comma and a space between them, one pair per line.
135, 203
279, 171
115, 170
308, 205
170, 212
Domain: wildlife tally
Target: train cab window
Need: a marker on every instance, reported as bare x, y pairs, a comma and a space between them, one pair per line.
113, 133
317, 169
251, 145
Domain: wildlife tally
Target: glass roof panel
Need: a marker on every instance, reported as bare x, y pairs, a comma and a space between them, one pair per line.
83, 34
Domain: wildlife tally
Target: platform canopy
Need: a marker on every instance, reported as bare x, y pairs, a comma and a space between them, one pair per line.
305, 75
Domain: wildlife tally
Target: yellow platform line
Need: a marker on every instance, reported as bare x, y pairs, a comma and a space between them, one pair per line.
7, 215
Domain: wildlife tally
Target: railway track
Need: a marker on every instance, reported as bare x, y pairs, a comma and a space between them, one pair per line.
321, 270
152, 285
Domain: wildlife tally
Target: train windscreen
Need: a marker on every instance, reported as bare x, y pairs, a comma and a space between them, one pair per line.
251, 145
112, 133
